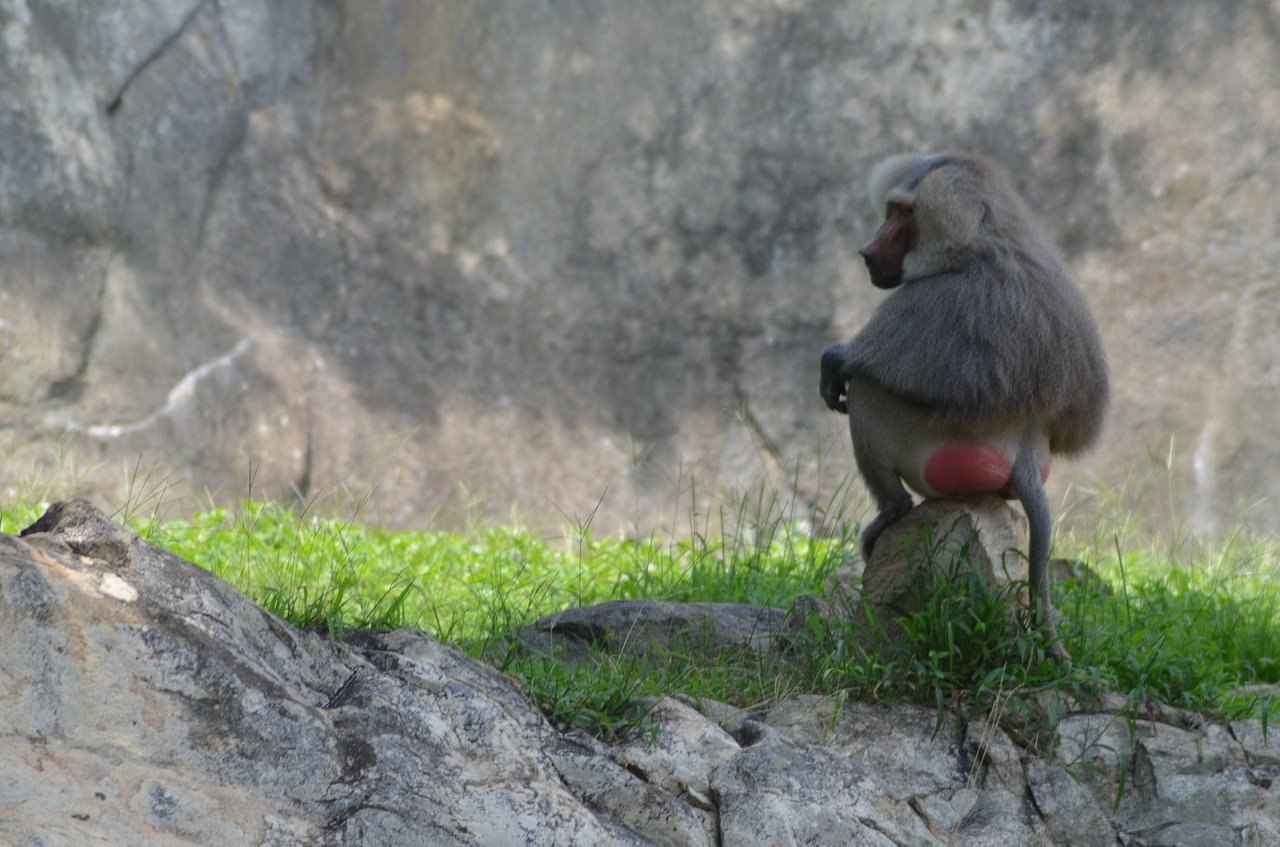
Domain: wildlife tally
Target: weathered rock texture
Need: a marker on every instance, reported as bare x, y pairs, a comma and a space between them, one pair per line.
144, 701
640, 627
979, 535
947, 539
494, 252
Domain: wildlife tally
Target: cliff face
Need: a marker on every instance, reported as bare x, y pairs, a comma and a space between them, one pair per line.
498, 253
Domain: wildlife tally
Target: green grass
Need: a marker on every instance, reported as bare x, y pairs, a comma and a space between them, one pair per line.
314, 571
1195, 628
1194, 634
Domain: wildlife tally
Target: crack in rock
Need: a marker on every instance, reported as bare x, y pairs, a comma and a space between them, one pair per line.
182, 394
114, 101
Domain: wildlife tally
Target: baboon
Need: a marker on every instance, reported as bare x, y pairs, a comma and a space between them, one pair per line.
982, 364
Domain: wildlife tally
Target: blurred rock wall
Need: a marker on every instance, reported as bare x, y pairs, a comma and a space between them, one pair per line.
566, 257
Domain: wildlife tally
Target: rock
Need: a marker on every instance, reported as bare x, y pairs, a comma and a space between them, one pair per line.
937, 538
662, 817
981, 535
999, 818
677, 748
1175, 786
145, 701
640, 627
966, 783
903, 744
1072, 817
728, 716
1261, 744
775, 793
839, 600
465, 257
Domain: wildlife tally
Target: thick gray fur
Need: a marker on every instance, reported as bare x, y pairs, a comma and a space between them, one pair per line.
987, 329
986, 334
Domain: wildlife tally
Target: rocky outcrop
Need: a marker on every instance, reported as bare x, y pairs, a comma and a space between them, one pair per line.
147, 702
642, 627
144, 701
494, 253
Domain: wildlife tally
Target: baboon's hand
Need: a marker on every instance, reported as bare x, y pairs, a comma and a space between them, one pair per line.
832, 384
833, 393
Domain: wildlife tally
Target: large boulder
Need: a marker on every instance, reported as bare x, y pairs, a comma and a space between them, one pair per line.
146, 701
478, 255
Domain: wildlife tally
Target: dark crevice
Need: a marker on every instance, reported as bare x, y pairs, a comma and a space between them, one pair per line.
113, 103
217, 175
344, 691
637, 771
302, 488
338, 821
968, 762
1031, 794
226, 43
70, 388
1231, 731
221, 166
582, 632
879, 828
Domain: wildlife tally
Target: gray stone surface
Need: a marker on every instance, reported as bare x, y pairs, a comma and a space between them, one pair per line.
484, 254
608, 786
146, 702
1175, 786
778, 793
966, 783
948, 539
639, 627
1071, 816
980, 535
679, 748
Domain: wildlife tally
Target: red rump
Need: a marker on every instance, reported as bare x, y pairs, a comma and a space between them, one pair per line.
969, 469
